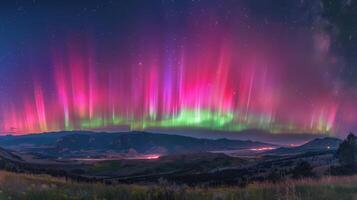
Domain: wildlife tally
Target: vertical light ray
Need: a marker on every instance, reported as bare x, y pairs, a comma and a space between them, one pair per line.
40, 108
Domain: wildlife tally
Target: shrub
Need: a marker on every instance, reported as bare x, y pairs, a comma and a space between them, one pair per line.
347, 152
303, 169
274, 176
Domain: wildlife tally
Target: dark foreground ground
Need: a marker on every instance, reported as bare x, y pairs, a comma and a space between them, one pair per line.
37, 187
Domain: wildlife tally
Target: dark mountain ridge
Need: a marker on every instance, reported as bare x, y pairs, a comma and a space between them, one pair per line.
185, 160
144, 142
81, 143
316, 145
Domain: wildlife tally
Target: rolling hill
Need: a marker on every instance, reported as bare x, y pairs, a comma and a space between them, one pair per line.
86, 143
316, 145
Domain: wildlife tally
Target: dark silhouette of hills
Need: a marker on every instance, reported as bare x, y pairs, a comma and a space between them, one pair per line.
316, 145
41, 139
144, 142
183, 159
96, 144
86, 143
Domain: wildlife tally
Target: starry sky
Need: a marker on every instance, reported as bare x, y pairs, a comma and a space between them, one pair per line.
220, 65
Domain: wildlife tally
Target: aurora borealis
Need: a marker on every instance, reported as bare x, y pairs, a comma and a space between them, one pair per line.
217, 65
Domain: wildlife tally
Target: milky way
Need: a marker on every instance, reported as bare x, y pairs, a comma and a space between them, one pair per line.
200, 65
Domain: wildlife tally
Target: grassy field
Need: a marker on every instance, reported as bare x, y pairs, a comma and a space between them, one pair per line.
23, 186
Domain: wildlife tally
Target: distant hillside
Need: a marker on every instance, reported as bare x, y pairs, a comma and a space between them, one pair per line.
319, 144
86, 156
79, 143
41, 139
8, 155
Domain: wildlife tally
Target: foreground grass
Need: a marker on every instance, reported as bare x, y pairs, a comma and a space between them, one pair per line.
23, 186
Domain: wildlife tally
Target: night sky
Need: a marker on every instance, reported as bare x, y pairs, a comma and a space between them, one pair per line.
225, 65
